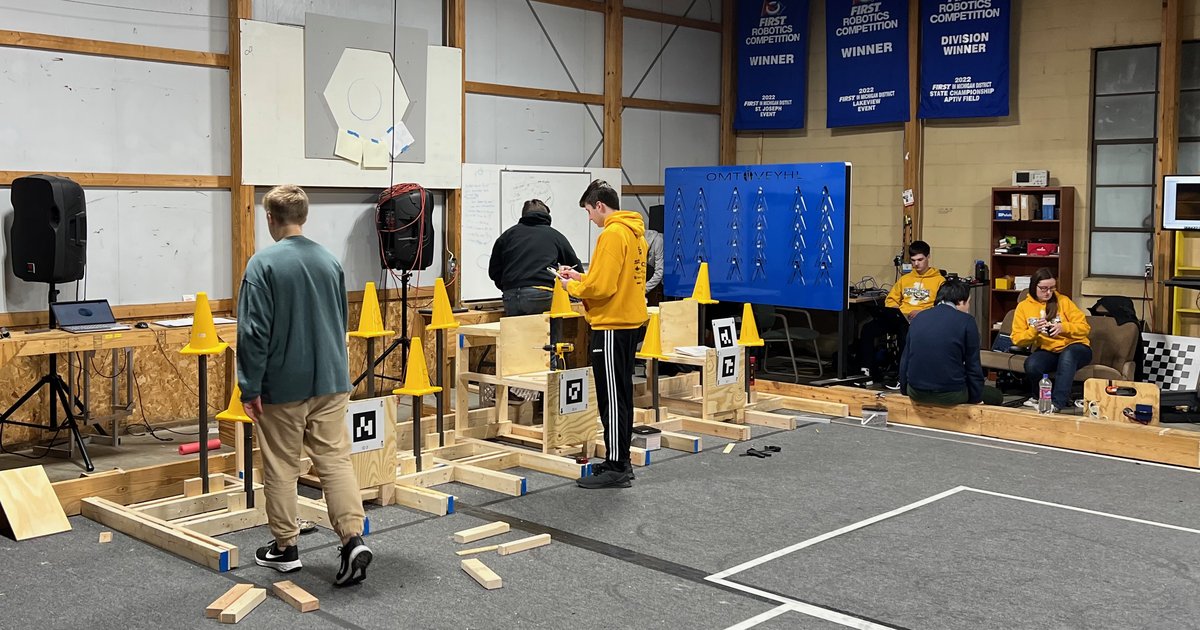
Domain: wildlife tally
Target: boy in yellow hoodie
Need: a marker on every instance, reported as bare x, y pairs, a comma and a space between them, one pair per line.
913, 293
1056, 330
614, 293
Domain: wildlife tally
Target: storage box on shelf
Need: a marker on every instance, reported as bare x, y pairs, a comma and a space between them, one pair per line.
1053, 238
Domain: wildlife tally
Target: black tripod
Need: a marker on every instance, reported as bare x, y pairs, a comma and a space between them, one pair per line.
402, 342
60, 394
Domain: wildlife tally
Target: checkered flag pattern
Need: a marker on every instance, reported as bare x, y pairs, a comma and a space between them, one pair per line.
1173, 363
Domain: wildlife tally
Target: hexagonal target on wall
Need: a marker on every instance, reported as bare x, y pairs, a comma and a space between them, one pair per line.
365, 94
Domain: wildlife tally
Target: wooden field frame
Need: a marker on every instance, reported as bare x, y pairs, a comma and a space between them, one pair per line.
186, 524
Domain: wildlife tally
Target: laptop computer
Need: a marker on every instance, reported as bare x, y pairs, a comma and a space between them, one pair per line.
87, 316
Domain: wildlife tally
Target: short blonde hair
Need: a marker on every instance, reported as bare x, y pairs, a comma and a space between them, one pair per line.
288, 204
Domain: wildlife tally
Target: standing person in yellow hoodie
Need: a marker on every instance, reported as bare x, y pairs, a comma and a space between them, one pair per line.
614, 293
1056, 330
912, 294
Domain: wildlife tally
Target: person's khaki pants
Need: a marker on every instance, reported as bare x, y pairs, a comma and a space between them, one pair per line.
316, 425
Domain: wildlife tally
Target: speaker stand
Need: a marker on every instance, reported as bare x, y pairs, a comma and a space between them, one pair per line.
401, 342
60, 394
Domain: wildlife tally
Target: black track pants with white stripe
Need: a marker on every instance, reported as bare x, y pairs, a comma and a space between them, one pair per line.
612, 367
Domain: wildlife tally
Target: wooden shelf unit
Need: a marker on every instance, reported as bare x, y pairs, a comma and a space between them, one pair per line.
1062, 230
1185, 318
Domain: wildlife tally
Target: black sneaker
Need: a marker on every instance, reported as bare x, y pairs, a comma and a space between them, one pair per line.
284, 561
608, 478
355, 558
607, 465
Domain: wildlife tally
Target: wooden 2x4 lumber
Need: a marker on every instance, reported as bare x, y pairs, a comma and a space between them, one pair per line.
549, 464
424, 499
666, 18
723, 430
496, 481
533, 94
137, 484
482, 574
214, 609
198, 548
669, 106
295, 596
101, 48
243, 605
128, 180
483, 531
768, 419
524, 544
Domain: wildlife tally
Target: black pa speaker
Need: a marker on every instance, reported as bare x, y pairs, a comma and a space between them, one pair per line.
49, 230
655, 214
404, 221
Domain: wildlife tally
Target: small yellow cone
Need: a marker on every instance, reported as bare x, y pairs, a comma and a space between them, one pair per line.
416, 378
236, 412
749, 335
560, 307
652, 344
701, 292
204, 334
443, 315
370, 320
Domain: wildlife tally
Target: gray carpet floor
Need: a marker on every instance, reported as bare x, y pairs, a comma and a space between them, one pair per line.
639, 557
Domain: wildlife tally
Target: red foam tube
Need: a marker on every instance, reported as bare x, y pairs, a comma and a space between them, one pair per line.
194, 447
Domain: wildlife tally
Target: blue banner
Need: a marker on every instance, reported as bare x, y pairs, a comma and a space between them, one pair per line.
771, 234
964, 58
772, 64
866, 61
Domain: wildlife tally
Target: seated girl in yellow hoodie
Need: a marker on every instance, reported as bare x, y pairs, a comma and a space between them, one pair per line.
1057, 331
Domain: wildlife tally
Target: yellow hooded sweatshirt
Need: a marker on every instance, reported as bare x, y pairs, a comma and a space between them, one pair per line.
914, 292
1075, 328
614, 288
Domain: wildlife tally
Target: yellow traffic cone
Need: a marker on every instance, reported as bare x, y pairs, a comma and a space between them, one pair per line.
235, 412
749, 335
652, 344
416, 378
443, 315
560, 306
204, 334
370, 321
701, 292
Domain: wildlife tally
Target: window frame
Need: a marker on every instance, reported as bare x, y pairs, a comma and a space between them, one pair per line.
1093, 145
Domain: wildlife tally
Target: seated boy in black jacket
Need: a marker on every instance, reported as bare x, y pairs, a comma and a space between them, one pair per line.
940, 363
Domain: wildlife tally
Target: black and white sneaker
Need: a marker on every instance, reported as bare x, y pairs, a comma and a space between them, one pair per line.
355, 558
284, 561
612, 476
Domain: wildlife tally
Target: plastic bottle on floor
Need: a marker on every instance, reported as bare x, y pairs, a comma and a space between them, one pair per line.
1044, 389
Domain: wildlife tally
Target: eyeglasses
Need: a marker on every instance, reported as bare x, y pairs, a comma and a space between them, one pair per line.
1049, 289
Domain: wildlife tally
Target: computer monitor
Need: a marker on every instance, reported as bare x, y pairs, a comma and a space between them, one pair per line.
1181, 202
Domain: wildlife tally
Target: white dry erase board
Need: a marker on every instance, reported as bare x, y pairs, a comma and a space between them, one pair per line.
492, 197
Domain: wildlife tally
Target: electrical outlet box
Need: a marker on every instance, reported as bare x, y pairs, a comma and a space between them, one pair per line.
1149, 269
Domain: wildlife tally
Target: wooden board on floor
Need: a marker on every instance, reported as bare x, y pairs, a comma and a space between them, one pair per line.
140, 484
198, 548
243, 605
1156, 444
559, 429
479, 533
1110, 408
516, 546
424, 499
295, 596
28, 506
221, 603
768, 419
482, 574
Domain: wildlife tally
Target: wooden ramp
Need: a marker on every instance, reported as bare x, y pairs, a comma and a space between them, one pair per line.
28, 505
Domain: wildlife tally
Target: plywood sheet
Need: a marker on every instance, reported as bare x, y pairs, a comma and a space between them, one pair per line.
519, 347
572, 428
30, 507
678, 323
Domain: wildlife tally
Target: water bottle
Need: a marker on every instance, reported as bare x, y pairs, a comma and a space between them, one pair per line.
1044, 387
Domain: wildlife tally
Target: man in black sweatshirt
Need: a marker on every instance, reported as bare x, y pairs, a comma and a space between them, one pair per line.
940, 363
520, 259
